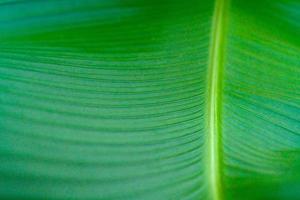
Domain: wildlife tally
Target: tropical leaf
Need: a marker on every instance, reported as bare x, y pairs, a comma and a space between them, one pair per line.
149, 99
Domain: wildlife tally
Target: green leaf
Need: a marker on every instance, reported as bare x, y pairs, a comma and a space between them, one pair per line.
150, 99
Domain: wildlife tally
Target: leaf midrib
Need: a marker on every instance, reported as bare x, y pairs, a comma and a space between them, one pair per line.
214, 98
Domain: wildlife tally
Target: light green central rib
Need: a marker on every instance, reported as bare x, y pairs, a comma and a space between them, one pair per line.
216, 62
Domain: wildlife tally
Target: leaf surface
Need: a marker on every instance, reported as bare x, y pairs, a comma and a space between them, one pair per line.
148, 99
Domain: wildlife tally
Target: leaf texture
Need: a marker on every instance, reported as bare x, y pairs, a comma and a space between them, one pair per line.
107, 99
261, 101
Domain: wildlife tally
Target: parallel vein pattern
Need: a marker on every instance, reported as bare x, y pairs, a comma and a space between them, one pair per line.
103, 99
262, 102
134, 99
